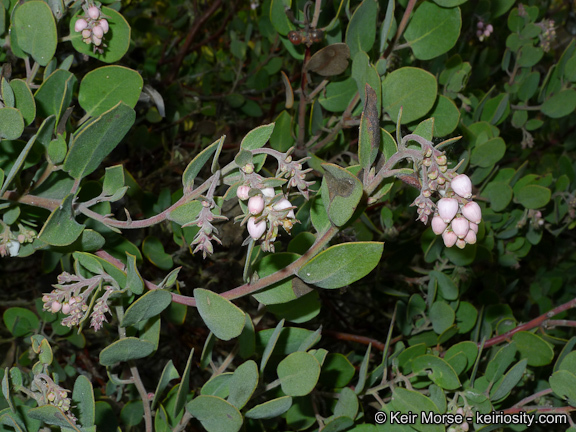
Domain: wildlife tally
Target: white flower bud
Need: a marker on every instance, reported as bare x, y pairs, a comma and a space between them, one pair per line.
13, 248
461, 243
470, 237
283, 204
104, 24
462, 185
460, 226
93, 12
474, 227
80, 25
438, 225
447, 209
449, 238
256, 205
268, 192
98, 31
242, 192
65, 308
256, 229
472, 212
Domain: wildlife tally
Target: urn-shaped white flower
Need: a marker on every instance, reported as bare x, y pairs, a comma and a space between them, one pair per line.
242, 192
283, 204
472, 212
256, 205
104, 24
462, 185
449, 238
93, 12
438, 225
447, 209
80, 25
460, 226
256, 229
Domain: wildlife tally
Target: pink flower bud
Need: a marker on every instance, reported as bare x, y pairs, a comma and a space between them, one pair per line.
80, 25
447, 209
460, 226
283, 204
268, 192
461, 243
96, 40
256, 205
93, 12
65, 308
55, 307
98, 31
470, 237
104, 24
86, 33
472, 212
462, 185
242, 192
489, 29
474, 227
438, 225
449, 238
256, 229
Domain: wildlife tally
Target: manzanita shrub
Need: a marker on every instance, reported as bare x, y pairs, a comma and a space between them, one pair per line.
320, 215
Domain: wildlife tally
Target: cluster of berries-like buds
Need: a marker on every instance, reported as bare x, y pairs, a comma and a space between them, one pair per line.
548, 33
53, 394
483, 31
93, 26
457, 219
70, 298
455, 216
266, 212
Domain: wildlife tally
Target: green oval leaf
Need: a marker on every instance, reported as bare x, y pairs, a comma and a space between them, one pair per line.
298, 373
280, 292
355, 260
533, 196
95, 140
258, 137
243, 383
11, 123
117, 39
55, 94
561, 104
83, 397
488, 153
215, 414
61, 228
361, 31
221, 316
36, 30
446, 116
411, 88
563, 383
24, 100
441, 373
122, 350
149, 305
198, 163
341, 193
103, 88
442, 316
270, 409
502, 388
20, 322
532, 347
433, 30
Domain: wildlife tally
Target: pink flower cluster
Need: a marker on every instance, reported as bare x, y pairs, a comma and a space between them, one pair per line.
266, 213
457, 218
483, 31
92, 26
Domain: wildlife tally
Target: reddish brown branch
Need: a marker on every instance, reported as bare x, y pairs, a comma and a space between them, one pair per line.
360, 339
198, 23
540, 321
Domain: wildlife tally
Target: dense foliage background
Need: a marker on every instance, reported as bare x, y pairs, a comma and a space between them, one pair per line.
113, 168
